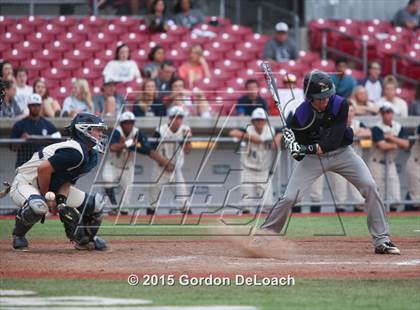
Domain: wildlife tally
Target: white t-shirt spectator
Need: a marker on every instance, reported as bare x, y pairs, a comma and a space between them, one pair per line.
399, 106
22, 95
121, 71
374, 90
71, 104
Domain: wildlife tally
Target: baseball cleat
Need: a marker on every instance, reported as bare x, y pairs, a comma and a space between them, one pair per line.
97, 244
20, 243
387, 248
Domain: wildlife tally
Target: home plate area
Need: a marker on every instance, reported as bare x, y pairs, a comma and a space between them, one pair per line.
14, 299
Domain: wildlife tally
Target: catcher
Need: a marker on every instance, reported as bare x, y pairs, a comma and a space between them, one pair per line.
320, 139
56, 168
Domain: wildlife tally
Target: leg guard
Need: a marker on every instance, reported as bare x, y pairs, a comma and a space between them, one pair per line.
33, 211
110, 192
92, 214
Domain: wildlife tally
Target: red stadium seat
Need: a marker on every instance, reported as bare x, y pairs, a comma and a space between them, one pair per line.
78, 55
208, 84
51, 29
140, 29
20, 29
11, 38
239, 55
177, 31
212, 56
32, 21
67, 64
324, 65
251, 48
27, 46
140, 56
58, 46
222, 75
237, 30
177, 56
229, 38
88, 46
379, 25
195, 39
81, 29
55, 73
125, 22
36, 64
93, 22
236, 83
308, 57
87, 73
163, 39
217, 46
133, 39
40, 37
71, 37
16, 55
95, 64
103, 38
66, 21
47, 55
112, 29
106, 55
228, 65
6, 22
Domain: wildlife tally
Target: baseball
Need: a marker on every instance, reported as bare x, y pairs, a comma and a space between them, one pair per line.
50, 196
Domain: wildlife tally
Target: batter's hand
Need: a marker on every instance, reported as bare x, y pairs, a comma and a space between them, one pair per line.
288, 136
295, 149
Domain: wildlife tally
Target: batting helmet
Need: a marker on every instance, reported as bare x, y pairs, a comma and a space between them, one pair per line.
318, 85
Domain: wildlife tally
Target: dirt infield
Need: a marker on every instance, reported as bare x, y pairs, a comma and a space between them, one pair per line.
315, 257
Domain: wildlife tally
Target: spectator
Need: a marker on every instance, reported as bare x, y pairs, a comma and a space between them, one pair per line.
291, 96
388, 137
165, 76
252, 100
196, 68
359, 100
157, 19
373, 82
23, 91
409, 16
10, 107
121, 69
390, 96
6, 71
344, 83
148, 102
414, 108
193, 103
33, 124
109, 102
186, 15
280, 48
50, 106
80, 99
156, 58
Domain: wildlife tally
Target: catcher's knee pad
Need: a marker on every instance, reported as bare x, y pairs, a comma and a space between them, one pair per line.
34, 209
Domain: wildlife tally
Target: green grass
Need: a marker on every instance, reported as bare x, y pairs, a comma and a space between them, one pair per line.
306, 294
298, 226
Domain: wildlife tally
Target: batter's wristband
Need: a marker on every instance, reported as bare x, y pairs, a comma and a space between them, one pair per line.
60, 199
309, 149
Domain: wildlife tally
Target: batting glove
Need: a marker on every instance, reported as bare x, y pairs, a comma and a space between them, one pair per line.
295, 149
288, 136
128, 143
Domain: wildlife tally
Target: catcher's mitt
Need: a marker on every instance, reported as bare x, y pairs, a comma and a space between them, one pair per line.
70, 218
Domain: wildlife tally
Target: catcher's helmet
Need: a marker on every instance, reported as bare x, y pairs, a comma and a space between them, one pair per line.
318, 85
79, 129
